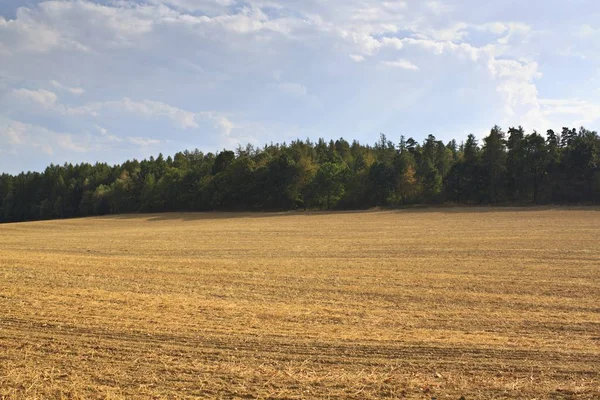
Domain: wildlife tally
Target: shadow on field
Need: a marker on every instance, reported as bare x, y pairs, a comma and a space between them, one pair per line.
215, 215
199, 216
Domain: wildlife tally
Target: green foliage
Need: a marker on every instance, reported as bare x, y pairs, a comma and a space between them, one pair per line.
381, 183
494, 164
515, 168
46, 209
328, 185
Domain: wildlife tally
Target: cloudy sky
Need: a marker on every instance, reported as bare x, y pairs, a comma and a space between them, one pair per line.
116, 79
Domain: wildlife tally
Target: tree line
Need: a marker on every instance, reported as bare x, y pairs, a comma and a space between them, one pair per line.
505, 168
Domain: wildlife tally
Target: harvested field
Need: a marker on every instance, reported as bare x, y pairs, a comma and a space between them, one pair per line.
480, 303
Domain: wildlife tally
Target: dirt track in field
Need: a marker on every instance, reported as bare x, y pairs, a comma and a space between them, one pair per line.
480, 303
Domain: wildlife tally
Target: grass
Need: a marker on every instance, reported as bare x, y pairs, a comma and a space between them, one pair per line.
480, 303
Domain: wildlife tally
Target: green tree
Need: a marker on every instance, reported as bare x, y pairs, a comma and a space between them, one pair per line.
327, 187
494, 164
46, 209
280, 182
223, 160
150, 200
326, 174
515, 163
535, 164
431, 181
8, 206
381, 181
59, 207
86, 206
102, 200
407, 184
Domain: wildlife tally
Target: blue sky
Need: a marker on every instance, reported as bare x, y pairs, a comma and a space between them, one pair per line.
116, 79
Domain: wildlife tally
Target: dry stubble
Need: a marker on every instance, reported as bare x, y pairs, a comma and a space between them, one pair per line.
480, 303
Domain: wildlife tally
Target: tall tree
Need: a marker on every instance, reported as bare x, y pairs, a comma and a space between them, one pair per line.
561, 168
535, 164
328, 185
515, 163
494, 163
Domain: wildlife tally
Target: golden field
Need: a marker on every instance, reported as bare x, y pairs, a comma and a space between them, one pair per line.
419, 304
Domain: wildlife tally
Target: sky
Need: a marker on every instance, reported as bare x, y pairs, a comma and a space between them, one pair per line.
111, 80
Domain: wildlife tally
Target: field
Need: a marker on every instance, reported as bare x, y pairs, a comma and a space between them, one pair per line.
442, 303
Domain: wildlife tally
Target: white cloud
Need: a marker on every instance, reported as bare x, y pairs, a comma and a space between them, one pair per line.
392, 42
446, 47
363, 41
296, 91
130, 65
515, 79
211, 6
293, 89
437, 7
220, 121
143, 142
515, 30
249, 20
454, 33
148, 108
40, 97
522, 70
73, 90
154, 109
19, 134
68, 142
404, 64
184, 119
25, 34
77, 26
586, 31
519, 92
583, 112
115, 26
108, 137
103, 131
12, 134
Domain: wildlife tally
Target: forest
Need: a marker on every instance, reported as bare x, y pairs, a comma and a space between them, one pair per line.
506, 168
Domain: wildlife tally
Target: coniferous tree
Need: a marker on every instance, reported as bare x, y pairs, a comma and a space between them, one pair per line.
494, 163
523, 168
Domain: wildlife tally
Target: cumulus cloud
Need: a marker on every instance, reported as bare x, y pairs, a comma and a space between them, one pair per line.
73, 90
293, 89
586, 31
403, 64
455, 33
438, 7
17, 134
584, 112
445, 47
26, 34
183, 119
13, 134
206, 69
211, 6
147, 108
515, 69
392, 42
518, 90
40, 97
220, 121
143, 142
